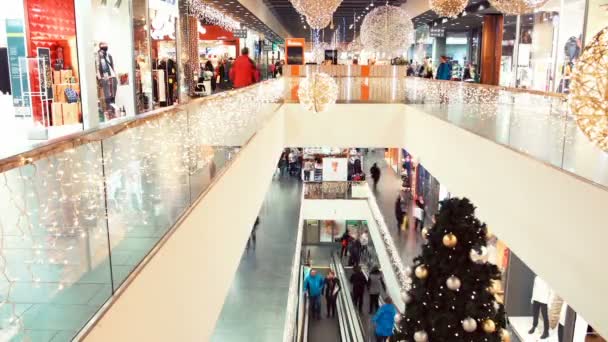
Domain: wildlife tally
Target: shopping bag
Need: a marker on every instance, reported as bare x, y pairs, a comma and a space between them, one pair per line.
404, 224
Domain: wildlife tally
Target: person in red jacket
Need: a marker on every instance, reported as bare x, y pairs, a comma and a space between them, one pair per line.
243, 71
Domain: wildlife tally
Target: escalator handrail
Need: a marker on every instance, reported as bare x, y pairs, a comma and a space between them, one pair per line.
301, 334
343, 324
355, 324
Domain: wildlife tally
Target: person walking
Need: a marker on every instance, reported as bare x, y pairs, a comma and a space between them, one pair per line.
355, 252
244, 72
252, 238
375, 172
399, 214
332, 288
364, 239
313, 285
375, 286
359, 282
444, 71
344, 241
209, 67
309, 167
384, 320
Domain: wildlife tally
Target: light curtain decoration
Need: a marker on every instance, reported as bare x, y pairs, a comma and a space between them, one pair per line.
589, 90
213, 16
318, 13
448, 8
517, 7
317, 92
355, 46
387, 30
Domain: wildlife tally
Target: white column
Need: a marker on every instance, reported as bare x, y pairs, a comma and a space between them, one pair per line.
86, 63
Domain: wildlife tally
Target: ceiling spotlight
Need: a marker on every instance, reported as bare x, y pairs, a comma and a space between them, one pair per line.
367, 8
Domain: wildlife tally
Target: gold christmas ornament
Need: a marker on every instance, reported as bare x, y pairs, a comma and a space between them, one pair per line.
425, 233
517, 7
421, 272
489, 326
453, 283
318, 13
450, 240
317, 92
505, 336
589, 90
387, 30
448, 8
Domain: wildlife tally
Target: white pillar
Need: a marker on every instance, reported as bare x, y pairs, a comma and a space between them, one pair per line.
86, 63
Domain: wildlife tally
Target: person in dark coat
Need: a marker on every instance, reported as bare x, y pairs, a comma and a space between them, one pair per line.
359, 282
355, 252
375, 172
399, 214
332, 288
344, 241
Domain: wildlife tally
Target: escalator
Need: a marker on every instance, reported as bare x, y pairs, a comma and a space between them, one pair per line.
345, 327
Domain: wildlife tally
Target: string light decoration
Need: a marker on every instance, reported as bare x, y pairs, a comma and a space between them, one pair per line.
448, 8
318, 13
55, 222
387, 30
207, 13
317, 92
355, 46
589, 90
318, 52
517, 7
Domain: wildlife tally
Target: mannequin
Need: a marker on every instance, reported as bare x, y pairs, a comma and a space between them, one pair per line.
541, 296
106, 78
562, 322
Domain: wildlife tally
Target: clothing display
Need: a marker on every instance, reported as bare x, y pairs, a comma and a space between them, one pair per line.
107, 81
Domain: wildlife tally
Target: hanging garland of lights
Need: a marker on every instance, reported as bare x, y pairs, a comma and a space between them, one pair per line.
318, 13
448, 8
589, 90
211, 15
517, 7
387, 30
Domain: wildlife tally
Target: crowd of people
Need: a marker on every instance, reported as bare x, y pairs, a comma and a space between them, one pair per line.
229, 73
445, 70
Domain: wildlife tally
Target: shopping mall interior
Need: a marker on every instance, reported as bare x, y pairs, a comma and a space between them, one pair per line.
303, 170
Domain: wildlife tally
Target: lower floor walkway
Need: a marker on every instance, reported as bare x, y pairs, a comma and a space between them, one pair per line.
254, 309
409, 243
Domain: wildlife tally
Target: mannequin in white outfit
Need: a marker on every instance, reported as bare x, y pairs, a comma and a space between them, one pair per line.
541, 296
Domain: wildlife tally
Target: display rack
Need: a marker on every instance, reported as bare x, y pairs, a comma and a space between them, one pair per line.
36, 132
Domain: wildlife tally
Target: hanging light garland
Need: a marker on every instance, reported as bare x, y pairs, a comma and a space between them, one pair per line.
448, 8
589, 90
388, 30
318, 13
317, 92
211, 15
517, 7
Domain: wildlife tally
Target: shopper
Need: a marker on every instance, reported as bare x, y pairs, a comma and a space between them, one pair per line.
364, 239
332, 288
244, 72
252, 237
444, 71
344, 241
385, 320
313, 285
375, 172
309, 167
359, 282
375, 287
209, 68
293, 158
355, 252
399, 214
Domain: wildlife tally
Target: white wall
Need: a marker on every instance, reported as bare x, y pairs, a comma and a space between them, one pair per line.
179, 294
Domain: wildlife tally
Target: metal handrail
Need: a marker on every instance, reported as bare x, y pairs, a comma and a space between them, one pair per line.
354, 321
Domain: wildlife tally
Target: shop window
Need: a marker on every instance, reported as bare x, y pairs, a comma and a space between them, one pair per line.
508, 50
163, 19
141, 49
113, 59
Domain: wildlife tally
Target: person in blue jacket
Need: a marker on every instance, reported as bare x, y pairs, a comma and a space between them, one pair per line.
313, 285
444, 71
385, 320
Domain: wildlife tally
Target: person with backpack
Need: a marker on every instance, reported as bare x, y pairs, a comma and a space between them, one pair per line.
375, 286
384, 320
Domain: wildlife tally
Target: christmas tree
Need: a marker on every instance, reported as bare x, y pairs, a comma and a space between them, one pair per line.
452, 294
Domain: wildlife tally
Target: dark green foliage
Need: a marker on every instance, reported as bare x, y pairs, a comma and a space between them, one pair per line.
438, 310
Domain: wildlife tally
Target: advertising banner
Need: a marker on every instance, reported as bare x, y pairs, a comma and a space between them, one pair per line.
335, 169
15, 36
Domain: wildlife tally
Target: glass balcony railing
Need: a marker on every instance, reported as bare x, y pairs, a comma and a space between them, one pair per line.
81, 213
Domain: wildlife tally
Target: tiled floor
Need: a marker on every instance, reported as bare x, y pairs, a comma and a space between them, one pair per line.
254, 309
409, 243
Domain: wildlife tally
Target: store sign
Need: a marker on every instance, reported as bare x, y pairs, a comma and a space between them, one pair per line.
437, 32
267, 48
240, 33
335, 169
15, 34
